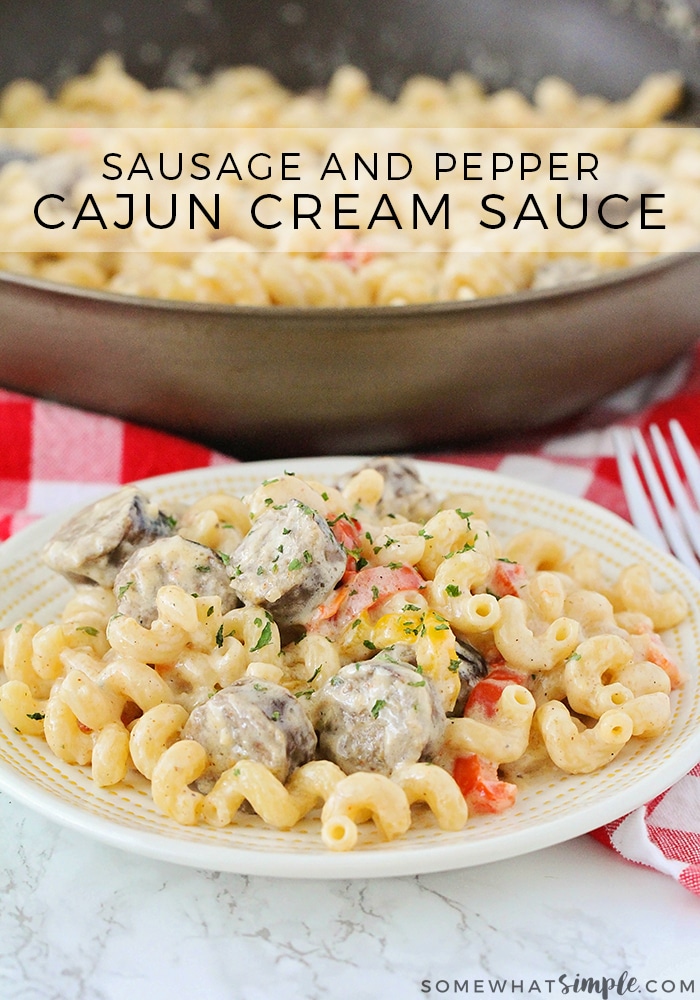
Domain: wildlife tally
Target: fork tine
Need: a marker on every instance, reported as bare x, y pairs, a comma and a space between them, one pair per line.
667, 517
639, 507
688, 457
676, 488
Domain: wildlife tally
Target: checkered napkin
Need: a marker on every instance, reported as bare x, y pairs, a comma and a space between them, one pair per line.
52, 456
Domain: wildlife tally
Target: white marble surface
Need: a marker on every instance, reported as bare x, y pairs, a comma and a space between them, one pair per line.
82, 921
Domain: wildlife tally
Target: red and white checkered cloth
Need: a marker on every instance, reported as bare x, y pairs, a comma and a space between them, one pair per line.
52, 456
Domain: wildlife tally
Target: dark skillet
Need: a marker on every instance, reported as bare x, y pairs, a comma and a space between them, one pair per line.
267, 381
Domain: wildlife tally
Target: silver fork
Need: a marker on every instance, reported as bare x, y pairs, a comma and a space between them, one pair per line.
667, 515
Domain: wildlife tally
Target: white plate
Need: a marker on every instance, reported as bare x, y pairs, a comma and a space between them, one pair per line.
551, 809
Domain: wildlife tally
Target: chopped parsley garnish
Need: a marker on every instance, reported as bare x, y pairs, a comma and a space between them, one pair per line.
265, 638
377, 707
467, 547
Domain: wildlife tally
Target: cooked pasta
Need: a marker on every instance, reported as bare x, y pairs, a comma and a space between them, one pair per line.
253, 263
316, 677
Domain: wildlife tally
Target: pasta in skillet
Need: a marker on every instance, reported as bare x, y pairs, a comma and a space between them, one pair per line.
356, 265
360, 649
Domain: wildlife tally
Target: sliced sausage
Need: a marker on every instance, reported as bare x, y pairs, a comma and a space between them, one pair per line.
252, 720
378, 713
288, 563
404, 492
177, 561
91, 547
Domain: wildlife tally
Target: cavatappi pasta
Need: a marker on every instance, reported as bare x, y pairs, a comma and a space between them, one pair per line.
352, 648
338, 268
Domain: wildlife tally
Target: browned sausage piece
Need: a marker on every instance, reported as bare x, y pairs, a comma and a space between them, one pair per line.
92, 546
288, 563
379, 713
176, 561
251, 720
404, 493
